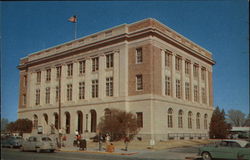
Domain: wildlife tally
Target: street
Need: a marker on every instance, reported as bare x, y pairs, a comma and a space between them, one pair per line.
168, 154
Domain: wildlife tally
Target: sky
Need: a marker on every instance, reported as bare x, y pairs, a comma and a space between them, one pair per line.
221, 27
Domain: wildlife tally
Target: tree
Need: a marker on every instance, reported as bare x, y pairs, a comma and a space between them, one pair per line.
119, 124
4, 123
247, 121
218, 127
20, 126
236, 117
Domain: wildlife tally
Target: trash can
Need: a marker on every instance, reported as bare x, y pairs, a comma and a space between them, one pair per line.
83, 144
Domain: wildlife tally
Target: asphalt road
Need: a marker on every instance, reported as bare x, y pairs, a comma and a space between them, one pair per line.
171, 154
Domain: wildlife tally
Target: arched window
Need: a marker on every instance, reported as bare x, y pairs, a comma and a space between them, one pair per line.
93, 120
107, 112
80, 122
45, 116
190, 119
205, 121
180, 121
170, 118
198, 120
56, 120
35, 122
67, 123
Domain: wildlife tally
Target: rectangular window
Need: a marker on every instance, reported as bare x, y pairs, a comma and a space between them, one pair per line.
168, 59
187, 67
94, 88
139, 82
203, 74
195, 93
47, 95
195, 71
139, 55
177, 63
25, 80
139, 116
178, 88
109, 86
109, 60
24, 99
57, 93
187, 91
203, 93
81, 67
69, 92
38, 77
95, 64
37, 96
167, 86
48, 74
81, 90
70, 69
58, 71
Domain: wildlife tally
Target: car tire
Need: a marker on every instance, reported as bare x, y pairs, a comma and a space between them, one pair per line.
52, 150
206, 156
38, 150
22, 149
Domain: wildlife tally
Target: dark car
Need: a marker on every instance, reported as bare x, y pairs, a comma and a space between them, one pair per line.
12, 142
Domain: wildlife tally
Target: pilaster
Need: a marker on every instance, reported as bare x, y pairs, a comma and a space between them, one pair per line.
173, 90
192, 81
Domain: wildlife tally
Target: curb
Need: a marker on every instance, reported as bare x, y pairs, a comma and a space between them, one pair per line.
99, 152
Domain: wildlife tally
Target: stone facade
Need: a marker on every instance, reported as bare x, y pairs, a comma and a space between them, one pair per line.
145, 68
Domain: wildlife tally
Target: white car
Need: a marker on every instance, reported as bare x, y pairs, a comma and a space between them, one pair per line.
38, 144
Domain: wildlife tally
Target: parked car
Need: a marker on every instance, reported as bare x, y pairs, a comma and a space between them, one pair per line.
12, 142
38, 144
226, 149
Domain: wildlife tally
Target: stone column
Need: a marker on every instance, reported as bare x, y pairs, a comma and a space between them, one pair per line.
199, 85
42, 87
53, 85
163, 71
102, 78
88, 82
63, 83
116, 77
75, 82
182, 78
173, 90
192, 81
207, 89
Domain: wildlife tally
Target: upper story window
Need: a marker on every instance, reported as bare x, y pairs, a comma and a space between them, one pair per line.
37, 96
187, 91
203, 94
187, 67
203, 74
196, 93
178, 88
57, 93
38, 76
94, 88
24, 99
47, 95
167, 86
109, 60
82, 66
168, 59
48, 74
196, 71
58, 71
95, 64
109, 86
177, 63
70, 69
25, 80
139, 82
81, 90
139, 55
69, 92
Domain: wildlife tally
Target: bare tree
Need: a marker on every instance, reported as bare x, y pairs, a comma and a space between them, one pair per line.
119, 124
236, 117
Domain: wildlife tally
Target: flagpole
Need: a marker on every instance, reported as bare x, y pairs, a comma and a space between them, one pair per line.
75, 29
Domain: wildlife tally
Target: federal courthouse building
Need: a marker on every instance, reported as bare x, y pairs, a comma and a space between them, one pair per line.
145, 68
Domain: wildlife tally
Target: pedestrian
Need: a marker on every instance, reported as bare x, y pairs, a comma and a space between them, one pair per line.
126, 141
107, 139
76, 136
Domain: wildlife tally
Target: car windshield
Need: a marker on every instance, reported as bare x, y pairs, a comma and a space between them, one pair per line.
46, 139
